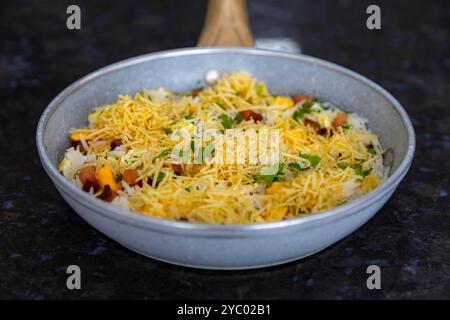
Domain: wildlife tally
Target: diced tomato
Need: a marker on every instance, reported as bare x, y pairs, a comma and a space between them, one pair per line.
250, 114
115, 143
130, 176
301, 97
107, 194
316, 126
340, 119
178, 169
88, 179
77, 144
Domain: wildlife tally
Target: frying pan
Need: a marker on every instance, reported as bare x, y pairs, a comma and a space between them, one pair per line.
215, 246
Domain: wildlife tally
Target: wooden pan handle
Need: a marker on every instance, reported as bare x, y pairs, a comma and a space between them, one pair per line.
226, 24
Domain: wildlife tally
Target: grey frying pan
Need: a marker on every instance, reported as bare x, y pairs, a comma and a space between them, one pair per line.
226, 246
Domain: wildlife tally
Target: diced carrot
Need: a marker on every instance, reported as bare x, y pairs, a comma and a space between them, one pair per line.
105, 178
77, 136
274, 188
340, 119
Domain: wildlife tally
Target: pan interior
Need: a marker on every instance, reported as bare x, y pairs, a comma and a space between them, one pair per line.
184, 70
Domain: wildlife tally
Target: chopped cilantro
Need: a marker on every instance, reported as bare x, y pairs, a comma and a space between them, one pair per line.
372, 151
300, 113
346, 126
343, 165
226, 121
168, 131
271, 174
296, 166
313, 160
161, 176
239, 117
359, 170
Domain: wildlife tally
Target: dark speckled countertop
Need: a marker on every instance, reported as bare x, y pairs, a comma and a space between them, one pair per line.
40, 235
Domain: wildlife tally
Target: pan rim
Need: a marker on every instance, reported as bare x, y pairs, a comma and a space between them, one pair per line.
148, 222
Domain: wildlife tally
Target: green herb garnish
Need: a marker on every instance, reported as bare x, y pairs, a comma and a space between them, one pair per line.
162, 154
226, 121
239, 117
300, 113
359, 170
161, 176
372, 151
343, 165
313, 160
271, 174
346, 126
296, 166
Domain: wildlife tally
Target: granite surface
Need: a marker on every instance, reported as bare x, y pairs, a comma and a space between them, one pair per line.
40, 235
